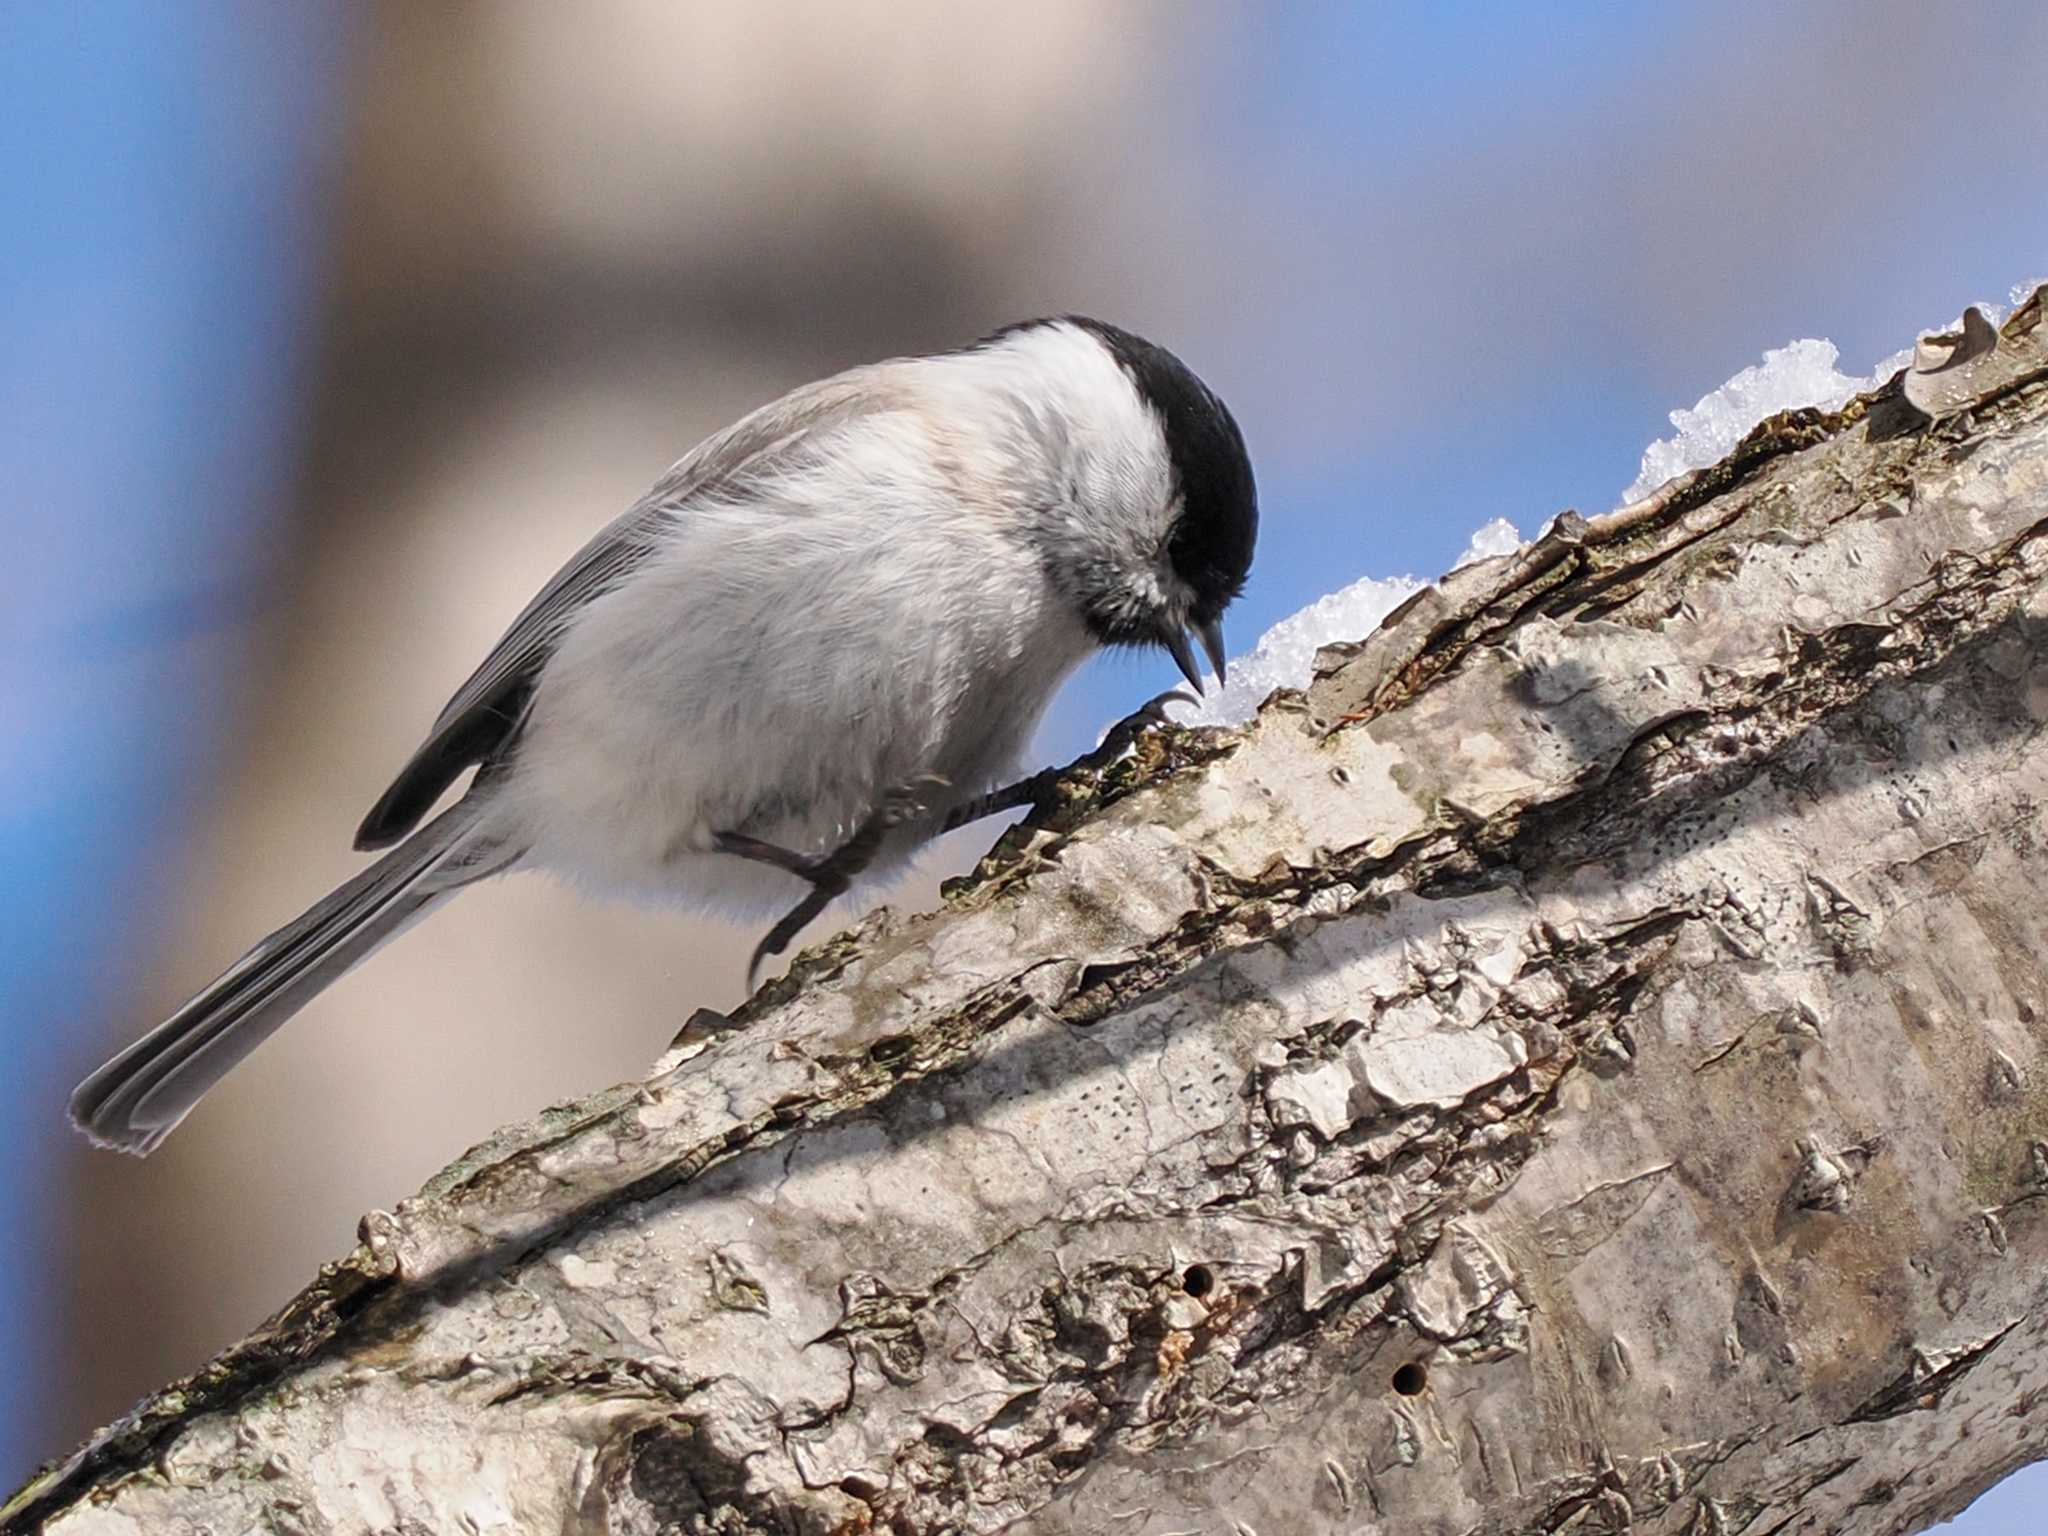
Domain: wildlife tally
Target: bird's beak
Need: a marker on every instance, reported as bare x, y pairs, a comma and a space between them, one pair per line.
1175, 639
1212, 642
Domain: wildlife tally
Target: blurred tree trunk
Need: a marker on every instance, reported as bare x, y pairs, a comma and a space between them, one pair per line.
1580, 1066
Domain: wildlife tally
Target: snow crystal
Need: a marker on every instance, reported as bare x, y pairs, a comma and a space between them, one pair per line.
1803, 373
1496, 538
1800, 374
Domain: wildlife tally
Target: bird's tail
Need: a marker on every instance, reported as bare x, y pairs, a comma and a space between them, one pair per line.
138, 1098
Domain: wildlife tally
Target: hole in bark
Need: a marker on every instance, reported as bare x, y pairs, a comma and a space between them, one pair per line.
1410, 1379
1197, 1281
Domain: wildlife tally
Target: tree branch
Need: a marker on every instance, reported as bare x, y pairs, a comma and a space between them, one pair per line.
1579, 1066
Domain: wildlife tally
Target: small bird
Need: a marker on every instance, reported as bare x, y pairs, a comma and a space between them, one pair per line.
824, 636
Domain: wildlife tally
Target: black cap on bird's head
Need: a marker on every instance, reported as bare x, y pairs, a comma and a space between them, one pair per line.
1209, 544
1152, 534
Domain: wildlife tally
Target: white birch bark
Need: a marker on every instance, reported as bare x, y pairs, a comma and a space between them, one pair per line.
1580, 1066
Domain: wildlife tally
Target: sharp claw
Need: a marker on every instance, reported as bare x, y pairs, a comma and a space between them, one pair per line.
778, 937
1154, 712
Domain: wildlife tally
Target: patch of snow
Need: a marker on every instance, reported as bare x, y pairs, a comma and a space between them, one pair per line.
1498, 537
1803, 373
1798, 374
1286, 652
1283, 656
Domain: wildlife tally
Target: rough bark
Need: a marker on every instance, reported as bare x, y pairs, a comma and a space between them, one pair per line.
1580, 1066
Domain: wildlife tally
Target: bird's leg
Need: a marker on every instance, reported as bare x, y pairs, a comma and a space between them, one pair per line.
1034, 792
830, 875
1037, 791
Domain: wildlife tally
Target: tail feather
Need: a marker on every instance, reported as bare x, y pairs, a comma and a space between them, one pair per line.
138, 1098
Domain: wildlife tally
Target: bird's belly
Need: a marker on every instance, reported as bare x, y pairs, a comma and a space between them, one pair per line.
619, 819
647, 738
622, 815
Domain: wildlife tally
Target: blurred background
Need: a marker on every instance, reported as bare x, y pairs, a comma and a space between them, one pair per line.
332, 328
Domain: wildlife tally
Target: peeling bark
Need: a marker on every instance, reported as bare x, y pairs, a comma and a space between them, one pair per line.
1579, 1066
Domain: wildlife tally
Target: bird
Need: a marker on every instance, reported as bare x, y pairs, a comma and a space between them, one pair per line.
825, 635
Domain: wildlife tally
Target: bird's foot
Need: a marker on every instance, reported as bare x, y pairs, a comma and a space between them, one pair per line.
1118, 739
829, 875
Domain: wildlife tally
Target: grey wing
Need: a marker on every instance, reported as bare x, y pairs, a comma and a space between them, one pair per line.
486, 711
